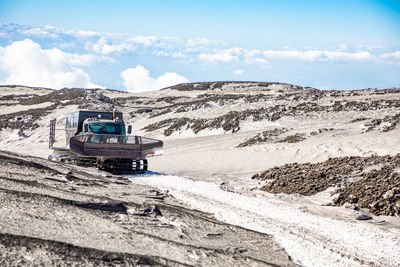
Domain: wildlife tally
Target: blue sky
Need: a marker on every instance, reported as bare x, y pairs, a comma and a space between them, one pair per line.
145, 45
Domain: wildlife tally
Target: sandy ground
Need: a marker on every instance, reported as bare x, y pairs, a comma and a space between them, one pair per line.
203, 167
56, 214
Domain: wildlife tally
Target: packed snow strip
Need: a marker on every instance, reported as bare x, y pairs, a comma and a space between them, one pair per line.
309, 239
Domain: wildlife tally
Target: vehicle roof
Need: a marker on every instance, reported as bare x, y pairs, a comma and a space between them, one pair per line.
91, 120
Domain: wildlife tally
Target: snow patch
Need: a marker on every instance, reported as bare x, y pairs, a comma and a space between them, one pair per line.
309, 239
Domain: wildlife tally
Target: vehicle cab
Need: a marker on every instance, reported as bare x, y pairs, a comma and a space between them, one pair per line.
108, 127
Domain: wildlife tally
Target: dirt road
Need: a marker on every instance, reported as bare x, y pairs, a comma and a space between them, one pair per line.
310, 239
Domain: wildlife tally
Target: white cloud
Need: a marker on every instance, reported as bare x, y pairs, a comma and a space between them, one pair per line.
317, 55
394, 55
38, 31
190, 51
28, 64
161, 53
255, 56
55, 32
202, 42
102, 47
178, 55
144, 40
292, 54
138, 79
346, 56
368, 47
259, 60
82, 34
234, 54
224, 56
165, 54
238, 72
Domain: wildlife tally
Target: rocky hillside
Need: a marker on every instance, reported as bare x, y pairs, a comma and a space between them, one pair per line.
263, 125
222, 106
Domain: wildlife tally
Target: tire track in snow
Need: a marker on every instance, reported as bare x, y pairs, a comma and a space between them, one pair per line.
309, 239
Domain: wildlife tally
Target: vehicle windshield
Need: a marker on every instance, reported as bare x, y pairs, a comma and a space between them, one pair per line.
107, 128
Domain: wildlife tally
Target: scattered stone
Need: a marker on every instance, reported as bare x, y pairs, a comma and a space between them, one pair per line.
61, 180
22, 134
213, 235
143, 110
110, 206
156, 194
227, 188
364, 217
153, 210
358, 119
322, 130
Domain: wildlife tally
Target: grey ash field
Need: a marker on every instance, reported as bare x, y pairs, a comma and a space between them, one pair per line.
54, 214
333, 155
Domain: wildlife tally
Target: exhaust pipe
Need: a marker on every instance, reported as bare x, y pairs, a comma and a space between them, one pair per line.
114, 111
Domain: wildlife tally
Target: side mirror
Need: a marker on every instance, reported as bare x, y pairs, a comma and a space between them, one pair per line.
129, 129
86, 128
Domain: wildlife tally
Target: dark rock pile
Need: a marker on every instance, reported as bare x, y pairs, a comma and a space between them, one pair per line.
307, 95
121, 101
205, 101
9, 100
228, 122
24, 120
273, 113
159, 113
264, 137
366, 105
170, 99
389, 122
55, 96
172, 124
307, 179
377, 189
220, 84
385, 91
322, 130
192, 107
84, 98
88, 99
293, 138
